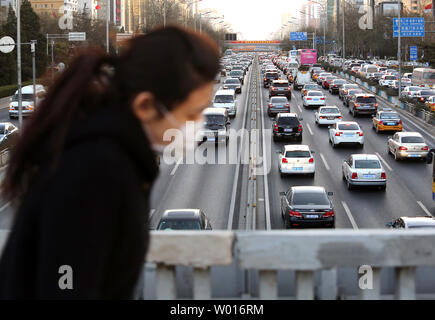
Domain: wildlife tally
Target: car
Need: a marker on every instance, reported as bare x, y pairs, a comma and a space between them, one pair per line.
350, 93
327, 115
313, 98
363, 103
232, 83
409, 92
309, 86
387, 120
422, 95
404, 145
226, 99
375, 76
287, 125
307, 206
216, 125
184, 219
29, 101
278, 105
296, 159
386, 80
430, 102
269, 77
238, 74
326, 82
412, 223
346, 132
343, 90
9, 135
364, 170
335, 85
322, 77
355, 69
280, 87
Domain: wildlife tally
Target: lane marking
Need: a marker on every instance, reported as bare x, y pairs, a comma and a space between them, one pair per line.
324, 161
176, 166
5, 206
309, 129
349, 215
299, 107
384, 162
424, 208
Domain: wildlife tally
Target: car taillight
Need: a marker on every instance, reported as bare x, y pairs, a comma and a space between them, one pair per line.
322, 98
328, 214
322, 117
400, 121
335, 86
273, 88
354, 175
311, 160
309, 99
287, 105
376, 104
361, 134
270, 105
275, 127
300, 128
265, 79
425, 148
337, 134
284, 160
339, 117
383, 175
294, 214
403, 148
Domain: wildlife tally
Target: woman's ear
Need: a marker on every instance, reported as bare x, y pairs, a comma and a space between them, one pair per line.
144, 107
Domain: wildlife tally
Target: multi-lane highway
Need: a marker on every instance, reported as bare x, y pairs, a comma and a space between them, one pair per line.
221, 189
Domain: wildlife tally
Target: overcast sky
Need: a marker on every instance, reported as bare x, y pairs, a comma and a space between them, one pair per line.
255, 19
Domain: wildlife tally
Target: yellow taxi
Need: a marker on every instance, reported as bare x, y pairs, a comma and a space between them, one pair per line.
387, 120
290, 78
430, 102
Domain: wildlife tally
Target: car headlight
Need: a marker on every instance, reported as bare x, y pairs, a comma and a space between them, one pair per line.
222, 132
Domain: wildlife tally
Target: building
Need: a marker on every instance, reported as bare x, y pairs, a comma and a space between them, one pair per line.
54, 7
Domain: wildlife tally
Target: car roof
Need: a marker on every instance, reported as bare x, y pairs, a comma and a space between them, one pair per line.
213, 110
418, 221
229, 78
409, 134
289, 147
29, 89
225, 92
364, 94
181, 214
364, 156
327, 107
316, 189
309, 91
346, 122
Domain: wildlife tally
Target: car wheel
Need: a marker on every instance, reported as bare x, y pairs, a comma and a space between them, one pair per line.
287, 224
299, 139
383, 188
333, 144
388, 150
349, 185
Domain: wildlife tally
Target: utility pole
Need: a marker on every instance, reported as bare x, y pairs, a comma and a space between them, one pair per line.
398, 49
164, 13
32, 49
344, 55
20, 102
107, 25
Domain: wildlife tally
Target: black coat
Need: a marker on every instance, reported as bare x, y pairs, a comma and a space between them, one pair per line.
90, 213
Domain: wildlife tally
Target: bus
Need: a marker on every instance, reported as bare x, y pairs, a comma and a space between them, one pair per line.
429, 160
423, 76
307, 56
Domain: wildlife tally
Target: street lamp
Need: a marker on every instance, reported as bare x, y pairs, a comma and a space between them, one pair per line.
187, 7
324, 25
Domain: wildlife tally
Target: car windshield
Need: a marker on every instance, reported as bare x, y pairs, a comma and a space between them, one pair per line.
389, 116
279, 101
411, 139
367, 164
232, 81
420, 226
271, 75
236, 73
311, 86
280, 85
427, 93
339, 82
310, 198
429, 75
348, 126
288, 120
214, 119
351, 92
24, 96
366, 99
224, 99
297, 154
329, 110
182, 224
315, 94
390, 77
351, 86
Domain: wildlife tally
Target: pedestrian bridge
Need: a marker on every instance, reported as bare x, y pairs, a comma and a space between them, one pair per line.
296, 264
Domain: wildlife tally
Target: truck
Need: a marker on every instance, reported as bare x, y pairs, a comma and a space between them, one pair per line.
302, 77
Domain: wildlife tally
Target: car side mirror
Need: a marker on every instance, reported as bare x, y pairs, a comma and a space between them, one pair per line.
282, 193
389, 224
330, 194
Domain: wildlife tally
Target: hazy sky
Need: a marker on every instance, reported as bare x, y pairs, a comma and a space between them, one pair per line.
255, 19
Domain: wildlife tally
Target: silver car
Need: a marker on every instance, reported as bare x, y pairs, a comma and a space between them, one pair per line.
364, 170
407, 145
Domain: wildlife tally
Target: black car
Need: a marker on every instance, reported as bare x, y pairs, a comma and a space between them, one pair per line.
362, 103
268, 77
288, 126
307, 206
335, 85
9, 135
184, 219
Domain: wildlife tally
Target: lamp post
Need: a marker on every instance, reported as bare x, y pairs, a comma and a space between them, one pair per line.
398, 48
107, 25
20, 104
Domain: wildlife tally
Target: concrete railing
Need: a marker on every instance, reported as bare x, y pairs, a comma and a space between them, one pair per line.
324, 264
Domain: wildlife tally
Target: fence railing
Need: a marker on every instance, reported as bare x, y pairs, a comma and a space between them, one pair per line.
324, 264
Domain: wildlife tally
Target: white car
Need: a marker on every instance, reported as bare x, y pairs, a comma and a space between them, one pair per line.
410, 91
314, 98
296, 159
346, 132
364, 170
407, 145
387, 80
328, 115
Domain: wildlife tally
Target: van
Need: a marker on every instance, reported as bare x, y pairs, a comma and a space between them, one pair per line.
27, 98
216, 125
226, 99
368, 68
423, 76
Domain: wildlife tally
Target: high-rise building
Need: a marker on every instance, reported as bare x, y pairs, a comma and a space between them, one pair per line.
54, 7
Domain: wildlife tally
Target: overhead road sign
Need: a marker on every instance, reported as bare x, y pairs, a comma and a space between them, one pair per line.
77, 36
298, 36
413, 53
409, 27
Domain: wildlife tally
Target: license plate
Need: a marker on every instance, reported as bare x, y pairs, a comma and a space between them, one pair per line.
210, 139
330, 118
312, 216
297, 168
390, 124
288, 130
414, 155
369, 176
315, 99
348, 134
367, 107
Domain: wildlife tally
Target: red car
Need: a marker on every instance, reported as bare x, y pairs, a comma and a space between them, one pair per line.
327, 82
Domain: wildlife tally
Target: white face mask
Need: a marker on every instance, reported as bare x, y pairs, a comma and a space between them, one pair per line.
186, 141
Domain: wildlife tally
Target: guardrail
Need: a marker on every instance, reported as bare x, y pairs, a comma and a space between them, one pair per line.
323, 264
4, 158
